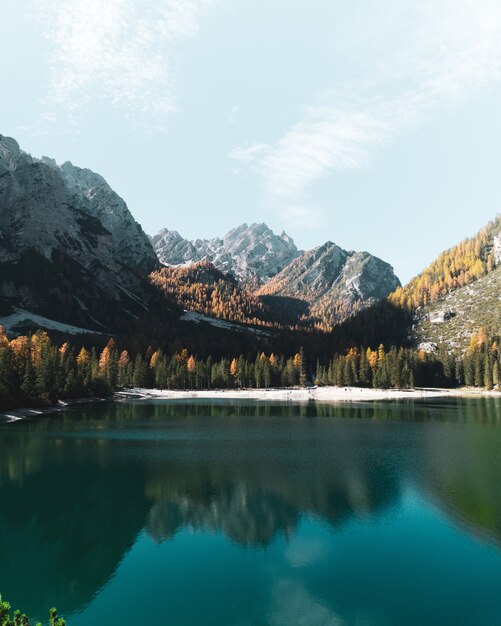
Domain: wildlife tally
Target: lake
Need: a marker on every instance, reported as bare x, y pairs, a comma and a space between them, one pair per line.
250, 514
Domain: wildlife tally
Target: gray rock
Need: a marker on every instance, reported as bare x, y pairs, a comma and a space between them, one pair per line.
328, 275
439, 317
428, 346
496, 249
92, 193
248, 252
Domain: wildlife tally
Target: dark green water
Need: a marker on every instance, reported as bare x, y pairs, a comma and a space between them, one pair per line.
255, 514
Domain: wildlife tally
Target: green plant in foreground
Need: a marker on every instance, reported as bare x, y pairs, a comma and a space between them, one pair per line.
20, 619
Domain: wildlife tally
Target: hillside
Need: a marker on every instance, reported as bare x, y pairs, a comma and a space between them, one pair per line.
451, 321
202, 288
455, 268
457, 294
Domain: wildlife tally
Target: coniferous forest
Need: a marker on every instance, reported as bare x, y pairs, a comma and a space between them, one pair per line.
36, 371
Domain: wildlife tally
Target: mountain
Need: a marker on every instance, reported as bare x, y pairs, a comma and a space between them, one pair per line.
70, 250
319, 287
334, 282
92, 193
251, 253
451, 300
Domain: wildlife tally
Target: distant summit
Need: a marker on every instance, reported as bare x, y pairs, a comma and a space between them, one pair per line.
334, 282
248, 252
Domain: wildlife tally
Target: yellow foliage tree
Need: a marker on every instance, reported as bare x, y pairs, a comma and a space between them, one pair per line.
234, 368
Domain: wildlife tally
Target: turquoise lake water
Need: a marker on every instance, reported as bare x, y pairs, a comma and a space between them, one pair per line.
253, 514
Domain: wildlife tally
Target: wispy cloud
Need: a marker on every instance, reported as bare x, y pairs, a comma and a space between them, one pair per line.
454, 49
119, 51
301, 217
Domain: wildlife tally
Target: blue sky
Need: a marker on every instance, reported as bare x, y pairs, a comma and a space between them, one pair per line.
373, 124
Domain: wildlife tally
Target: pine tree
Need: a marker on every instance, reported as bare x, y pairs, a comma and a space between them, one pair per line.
487, 373
496, 374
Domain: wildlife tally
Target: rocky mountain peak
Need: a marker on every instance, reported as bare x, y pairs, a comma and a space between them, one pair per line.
91, 191
247, 251
333, 281
10, 154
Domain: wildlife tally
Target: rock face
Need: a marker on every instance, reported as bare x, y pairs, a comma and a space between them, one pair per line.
330, 278
93, 194
248, 252
496, 248
69, 248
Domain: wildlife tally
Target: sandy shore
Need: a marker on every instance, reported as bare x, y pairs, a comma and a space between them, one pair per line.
318, 394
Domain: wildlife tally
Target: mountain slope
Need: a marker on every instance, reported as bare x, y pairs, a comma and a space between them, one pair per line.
459, 293
334, 282
251, 253
451, 321
202, 288
57, 258
455, 268
441, 308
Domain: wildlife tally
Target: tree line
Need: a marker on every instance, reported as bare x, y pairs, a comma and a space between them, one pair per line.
36, 371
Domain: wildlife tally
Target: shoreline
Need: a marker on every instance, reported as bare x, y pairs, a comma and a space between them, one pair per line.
13, 415
316, 394
326, 395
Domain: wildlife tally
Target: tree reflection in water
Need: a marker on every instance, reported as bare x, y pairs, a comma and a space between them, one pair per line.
76, 489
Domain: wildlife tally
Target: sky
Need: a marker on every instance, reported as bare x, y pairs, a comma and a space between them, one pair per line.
373, 124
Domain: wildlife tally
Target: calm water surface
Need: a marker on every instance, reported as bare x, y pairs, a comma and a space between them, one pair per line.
253, 514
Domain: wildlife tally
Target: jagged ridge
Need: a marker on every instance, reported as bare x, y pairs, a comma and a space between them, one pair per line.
251, 253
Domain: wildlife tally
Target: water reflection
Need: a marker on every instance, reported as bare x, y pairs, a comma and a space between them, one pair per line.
76, 489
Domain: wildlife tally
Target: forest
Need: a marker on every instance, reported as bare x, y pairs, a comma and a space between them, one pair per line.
35, 371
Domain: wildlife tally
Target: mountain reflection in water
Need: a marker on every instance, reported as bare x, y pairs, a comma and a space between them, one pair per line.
77, 489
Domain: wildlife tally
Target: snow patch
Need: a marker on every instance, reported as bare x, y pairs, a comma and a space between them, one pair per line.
11, 322
197, 318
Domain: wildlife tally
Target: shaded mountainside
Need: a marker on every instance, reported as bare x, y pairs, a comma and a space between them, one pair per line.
251, 253
61, 252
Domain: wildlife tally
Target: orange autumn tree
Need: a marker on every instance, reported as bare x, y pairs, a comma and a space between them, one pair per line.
459, 266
